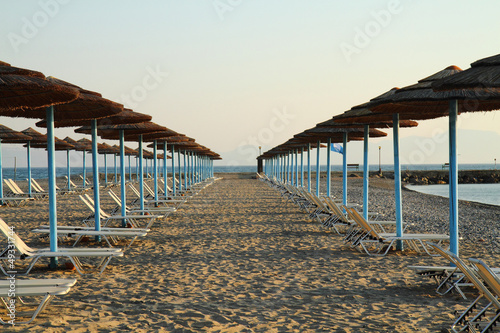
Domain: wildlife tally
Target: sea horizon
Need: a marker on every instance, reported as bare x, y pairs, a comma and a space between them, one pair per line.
41, 172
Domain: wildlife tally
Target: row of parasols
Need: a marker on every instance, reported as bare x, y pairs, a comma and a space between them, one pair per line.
29, 94
447, 93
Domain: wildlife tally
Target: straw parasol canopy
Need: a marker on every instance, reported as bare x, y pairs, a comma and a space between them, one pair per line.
23, 89
291, 144
35, 135
132, 131
420, 101
163, 134
128, 151
183, 145
168, 135
127, 116
88, 105
359, 113
170, 139
59, 144
104, 148
484, 73
83, 145
70, 141
335, 134
8, 135
145, 153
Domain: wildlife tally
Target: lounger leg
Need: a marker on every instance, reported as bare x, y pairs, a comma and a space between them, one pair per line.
461, 319
492, 323
45, 301
473, 322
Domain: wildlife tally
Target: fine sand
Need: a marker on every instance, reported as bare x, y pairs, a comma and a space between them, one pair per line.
238, 258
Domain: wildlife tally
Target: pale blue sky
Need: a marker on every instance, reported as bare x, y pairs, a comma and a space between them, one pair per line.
225, 70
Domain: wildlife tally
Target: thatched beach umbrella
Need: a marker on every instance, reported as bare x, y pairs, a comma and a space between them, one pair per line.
421, 99
86, 106
68, 164
104, 148
119, 123
89, 107
170, 137
330, 135
275, 154
8, 135
84, 145
76, 106
136, 131
35, 138
483, 73
128, 152
59, 144
279, 153
23, 89
356, 112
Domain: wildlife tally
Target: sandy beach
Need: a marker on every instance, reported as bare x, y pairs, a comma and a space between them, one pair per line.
238, 258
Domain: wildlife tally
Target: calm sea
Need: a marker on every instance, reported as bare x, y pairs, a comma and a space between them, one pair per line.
41, 173
484, 193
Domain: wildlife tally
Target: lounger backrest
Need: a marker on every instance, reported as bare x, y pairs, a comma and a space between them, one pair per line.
16, 186
336, 209
38, 187
134, 190
491, 279
89, 205
34, 185
146, 186
18, 242
115, 197
471, 276
9, 185
356, 216
90, 202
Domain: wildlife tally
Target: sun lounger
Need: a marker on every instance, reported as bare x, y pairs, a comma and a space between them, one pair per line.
86, 181
23, 252
37, 189
469, 319
374, 243
448, 278
44, 288
159, 212
492, 281
136, 219
74, 188
152, 204
19, 193
110, 235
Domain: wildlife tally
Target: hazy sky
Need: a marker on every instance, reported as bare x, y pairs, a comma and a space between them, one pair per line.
236, 74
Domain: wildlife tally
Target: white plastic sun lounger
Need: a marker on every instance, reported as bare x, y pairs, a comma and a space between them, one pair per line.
23, 251
373, 242
110, 235
488, 298
44, 288
135, 220
159, 212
